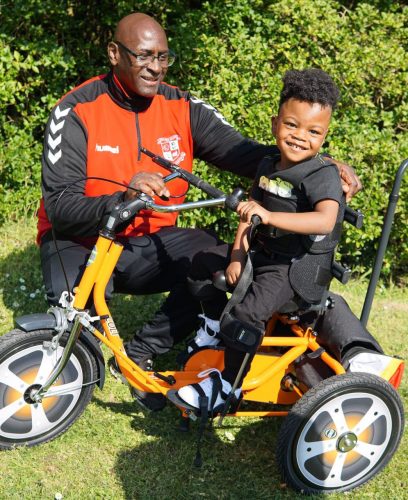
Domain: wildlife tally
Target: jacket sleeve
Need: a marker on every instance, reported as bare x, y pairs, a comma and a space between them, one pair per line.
63, 177
217, 142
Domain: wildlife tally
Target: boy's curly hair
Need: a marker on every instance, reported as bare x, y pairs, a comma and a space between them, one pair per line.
310, 85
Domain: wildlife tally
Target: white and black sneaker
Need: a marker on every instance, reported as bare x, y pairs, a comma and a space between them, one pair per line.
207, 334
386, 367
213, 387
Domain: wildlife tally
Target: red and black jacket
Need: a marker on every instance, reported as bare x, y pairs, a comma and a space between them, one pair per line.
97, 131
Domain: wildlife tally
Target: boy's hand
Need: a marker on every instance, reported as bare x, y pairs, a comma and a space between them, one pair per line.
246, 209
350, 181
233, 272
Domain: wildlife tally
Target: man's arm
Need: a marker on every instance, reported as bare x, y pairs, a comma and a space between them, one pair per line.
217, 142
64, 163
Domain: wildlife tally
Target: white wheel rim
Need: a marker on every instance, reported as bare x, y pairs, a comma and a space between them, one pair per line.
363, 421
20, 420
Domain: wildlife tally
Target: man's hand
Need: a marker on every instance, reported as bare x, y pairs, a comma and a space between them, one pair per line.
151, 184
350, 182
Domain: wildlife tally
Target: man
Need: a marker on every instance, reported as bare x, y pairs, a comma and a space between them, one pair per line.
97, 130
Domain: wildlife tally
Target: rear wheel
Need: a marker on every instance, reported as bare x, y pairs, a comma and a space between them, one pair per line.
26, 361
340, 434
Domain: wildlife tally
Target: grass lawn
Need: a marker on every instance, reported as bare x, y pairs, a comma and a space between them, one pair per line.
117, 451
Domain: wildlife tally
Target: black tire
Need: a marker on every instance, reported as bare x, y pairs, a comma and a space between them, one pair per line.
26, 359
340, 434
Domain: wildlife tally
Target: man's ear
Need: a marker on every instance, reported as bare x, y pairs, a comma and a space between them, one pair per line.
113, 53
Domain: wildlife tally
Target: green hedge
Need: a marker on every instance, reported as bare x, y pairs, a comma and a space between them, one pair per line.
232, 54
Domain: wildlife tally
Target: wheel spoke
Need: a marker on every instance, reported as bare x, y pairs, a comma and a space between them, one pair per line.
309, 450
12, 380
11, 409
337, 469
369, 418
339, 420
369, 451
49, 360
59, 390
39, 419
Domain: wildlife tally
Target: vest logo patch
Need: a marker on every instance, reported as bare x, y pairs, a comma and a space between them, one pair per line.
171, 149
276, 186
107, 149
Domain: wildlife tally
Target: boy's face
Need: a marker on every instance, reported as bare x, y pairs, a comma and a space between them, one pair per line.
300, 130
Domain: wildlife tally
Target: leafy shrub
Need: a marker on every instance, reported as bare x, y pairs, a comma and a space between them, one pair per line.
232, 54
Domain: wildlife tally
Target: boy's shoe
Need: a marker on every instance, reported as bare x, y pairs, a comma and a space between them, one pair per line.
214, 387
152, 401
207, 334
386, 367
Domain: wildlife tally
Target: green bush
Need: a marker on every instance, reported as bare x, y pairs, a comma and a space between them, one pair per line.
232, 54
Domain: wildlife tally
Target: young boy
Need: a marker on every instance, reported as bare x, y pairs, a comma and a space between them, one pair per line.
294, 194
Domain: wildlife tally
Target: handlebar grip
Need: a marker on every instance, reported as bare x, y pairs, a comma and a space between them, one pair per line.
204, 186
341, 273
233, 199
256, 220
354, 217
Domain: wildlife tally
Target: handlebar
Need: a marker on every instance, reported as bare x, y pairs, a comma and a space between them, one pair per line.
231, 201
184, 174
126, 211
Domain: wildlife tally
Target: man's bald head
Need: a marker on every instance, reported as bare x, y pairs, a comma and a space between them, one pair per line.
133, 23
138, 34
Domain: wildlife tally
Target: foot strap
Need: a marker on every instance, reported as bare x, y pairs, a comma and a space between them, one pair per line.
203, 402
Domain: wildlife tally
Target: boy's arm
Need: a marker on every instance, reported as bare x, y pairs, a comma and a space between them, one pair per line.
238, 254
320, 221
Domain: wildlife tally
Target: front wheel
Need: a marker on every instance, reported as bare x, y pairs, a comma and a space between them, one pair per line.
26, 361
340, 434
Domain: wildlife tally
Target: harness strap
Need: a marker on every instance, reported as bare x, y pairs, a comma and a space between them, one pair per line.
204, 413
243, 284
203, 402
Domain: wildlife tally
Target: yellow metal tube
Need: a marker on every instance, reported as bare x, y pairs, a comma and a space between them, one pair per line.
284, 341
138, 374
103, 277
83, 290
101, 282
329, 360
280, 364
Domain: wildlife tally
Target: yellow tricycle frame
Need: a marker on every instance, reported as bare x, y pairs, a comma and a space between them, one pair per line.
264, 382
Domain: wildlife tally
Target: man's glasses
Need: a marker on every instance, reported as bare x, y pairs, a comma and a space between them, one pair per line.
165, 59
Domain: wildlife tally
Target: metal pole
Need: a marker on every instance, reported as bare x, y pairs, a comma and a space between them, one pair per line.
389, 217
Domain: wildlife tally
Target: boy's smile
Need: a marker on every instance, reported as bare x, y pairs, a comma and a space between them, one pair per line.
300, 130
